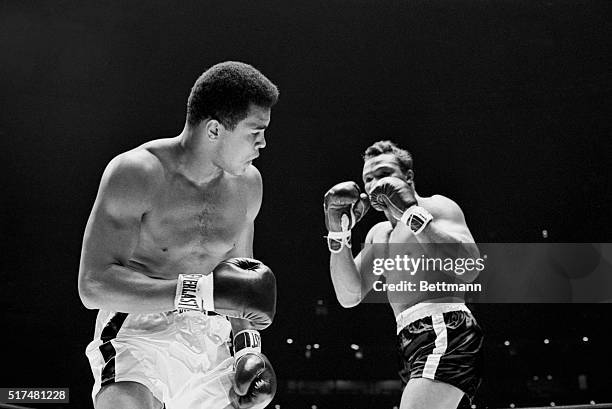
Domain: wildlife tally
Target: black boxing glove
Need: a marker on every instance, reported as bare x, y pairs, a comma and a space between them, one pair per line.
254, 384
397, 197
393, 194
344, 205
237, 287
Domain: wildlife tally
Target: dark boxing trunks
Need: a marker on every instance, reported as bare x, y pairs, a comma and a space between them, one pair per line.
444, 346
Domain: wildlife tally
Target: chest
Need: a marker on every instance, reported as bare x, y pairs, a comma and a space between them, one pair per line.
187, 220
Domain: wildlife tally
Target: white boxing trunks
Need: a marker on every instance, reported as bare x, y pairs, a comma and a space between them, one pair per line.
182, 358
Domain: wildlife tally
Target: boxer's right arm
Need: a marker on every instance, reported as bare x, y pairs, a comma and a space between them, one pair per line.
353, 277
344, 206
124, 197
236, 288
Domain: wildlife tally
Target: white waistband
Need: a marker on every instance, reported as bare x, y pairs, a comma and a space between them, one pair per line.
426, 309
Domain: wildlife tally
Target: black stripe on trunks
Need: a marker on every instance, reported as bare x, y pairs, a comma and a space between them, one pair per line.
107, 349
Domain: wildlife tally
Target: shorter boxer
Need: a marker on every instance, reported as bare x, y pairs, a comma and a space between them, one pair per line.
440, 342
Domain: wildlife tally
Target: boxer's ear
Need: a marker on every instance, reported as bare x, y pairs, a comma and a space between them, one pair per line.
213, 129
410, 176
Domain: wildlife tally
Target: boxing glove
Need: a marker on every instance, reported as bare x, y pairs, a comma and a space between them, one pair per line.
397, 197
254, 384
394, 195
344, 205
237, 287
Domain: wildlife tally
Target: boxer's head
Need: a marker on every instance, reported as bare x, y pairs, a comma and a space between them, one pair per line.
235, 150
225, 93
385, 158
230, 103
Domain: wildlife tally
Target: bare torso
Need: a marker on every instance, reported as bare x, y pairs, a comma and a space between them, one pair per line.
388, 246
189, 228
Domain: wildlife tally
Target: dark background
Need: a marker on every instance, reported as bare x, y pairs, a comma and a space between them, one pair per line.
504, 104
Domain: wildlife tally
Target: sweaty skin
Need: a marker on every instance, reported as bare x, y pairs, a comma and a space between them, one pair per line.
353, 278
164, 209
190, 228
387, 237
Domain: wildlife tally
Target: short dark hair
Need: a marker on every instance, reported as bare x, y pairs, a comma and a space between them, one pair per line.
226, 90
381, 147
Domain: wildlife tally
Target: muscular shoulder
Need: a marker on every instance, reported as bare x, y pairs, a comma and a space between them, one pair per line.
253, 185
137, 168
442, 207
138, 162
131, 178
253, 178
378, 232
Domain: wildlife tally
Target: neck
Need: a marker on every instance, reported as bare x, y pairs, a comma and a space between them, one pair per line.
195, 156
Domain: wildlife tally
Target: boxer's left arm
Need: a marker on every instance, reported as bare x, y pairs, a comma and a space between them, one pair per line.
254, 384
442, 222
244, 245
243, 248
448, 226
